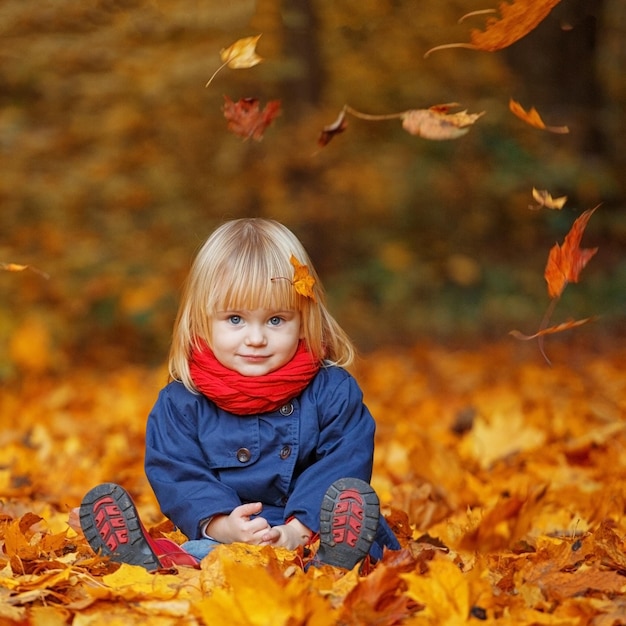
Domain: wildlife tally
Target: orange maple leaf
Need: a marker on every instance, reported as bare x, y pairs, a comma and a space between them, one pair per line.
532, 118
303, 282
565, 262
516, 21
246, 119
379, 597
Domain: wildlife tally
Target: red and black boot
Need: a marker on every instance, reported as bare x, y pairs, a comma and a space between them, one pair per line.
348, 523
112, 527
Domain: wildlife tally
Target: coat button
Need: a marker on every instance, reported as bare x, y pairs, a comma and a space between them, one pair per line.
286, 409
243, 455
285, 452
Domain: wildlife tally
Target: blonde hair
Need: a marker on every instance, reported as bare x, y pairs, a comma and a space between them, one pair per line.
236, 269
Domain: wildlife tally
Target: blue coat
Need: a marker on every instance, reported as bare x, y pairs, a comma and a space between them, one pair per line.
202, 461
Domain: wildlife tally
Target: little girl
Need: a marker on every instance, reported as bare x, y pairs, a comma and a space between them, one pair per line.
261, 436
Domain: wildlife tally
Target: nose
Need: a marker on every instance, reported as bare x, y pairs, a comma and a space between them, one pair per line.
255, 336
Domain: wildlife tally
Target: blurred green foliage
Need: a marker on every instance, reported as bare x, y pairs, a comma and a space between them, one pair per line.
116, 164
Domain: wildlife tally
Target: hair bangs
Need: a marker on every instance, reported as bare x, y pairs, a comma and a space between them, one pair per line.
255, 281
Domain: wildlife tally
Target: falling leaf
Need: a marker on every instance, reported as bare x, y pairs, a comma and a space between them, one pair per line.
328, 132
239, 55
533, 118
16, 267
437, 124
246, 119
516, 21
567, 261
544, 199
303, 282
558, 328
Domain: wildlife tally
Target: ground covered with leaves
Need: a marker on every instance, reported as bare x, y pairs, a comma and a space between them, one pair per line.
504, 479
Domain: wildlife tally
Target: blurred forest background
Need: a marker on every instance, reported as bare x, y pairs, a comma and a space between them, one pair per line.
116, 163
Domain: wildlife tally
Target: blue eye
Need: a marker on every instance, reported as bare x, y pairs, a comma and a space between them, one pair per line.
235, 319
275, 321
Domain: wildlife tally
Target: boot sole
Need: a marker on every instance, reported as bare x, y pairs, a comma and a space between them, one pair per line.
112, 527
348, 522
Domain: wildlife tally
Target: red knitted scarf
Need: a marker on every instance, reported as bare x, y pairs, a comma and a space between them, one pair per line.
248, 395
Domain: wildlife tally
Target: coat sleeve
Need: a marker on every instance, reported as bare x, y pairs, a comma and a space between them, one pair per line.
187, 490
345, 446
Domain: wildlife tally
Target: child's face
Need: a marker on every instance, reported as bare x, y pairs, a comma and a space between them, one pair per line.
255, 342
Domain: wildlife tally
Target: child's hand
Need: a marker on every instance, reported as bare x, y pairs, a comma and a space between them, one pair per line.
238, 526
290, 535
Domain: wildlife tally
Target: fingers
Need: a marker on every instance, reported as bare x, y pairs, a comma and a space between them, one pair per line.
249, 529
271, 536
247, 510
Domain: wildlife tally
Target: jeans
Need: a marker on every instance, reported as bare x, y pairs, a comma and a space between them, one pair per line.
199, 548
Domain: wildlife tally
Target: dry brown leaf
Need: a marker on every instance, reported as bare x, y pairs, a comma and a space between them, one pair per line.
437, 124
337, 127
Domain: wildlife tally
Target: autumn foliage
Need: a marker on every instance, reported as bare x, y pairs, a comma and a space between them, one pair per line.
502, 478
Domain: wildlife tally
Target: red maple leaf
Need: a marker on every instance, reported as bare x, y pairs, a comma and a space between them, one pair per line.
246, 119
565, 262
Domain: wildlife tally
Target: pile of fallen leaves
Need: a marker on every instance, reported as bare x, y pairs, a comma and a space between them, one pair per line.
502, 477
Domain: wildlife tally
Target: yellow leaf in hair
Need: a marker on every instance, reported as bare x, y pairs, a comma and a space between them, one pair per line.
302, 280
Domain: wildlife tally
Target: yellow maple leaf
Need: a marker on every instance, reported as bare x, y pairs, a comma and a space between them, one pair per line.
444, 592
134, 583
303, 282
233, 596
239, 55
503, 433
